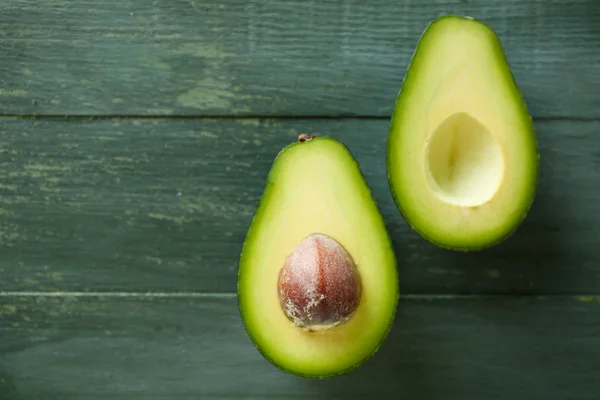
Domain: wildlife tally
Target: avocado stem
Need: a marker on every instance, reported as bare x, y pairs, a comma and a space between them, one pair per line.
305, 137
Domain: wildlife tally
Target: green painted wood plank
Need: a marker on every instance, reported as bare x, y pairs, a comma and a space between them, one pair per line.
165, 348
163, 205
273, 58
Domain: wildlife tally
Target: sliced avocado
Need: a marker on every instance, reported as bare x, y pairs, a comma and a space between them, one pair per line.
317, 233
462, 155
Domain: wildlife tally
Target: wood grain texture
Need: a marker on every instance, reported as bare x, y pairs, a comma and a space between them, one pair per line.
164, 205
189, 348
271, 58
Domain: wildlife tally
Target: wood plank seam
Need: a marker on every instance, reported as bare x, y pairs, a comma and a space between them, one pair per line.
336, 117
585, 297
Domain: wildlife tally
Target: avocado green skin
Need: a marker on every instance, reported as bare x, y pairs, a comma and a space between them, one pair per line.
241, 304
309, 376
530, 126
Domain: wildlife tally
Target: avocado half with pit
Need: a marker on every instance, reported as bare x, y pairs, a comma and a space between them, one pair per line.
317, 283
462, 154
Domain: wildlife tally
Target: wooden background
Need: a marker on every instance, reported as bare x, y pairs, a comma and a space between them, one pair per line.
135, 139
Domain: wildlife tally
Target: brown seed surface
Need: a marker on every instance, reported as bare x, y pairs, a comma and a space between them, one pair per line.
319, 285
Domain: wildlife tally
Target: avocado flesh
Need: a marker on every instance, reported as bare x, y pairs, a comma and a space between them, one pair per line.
316, 187
462, 154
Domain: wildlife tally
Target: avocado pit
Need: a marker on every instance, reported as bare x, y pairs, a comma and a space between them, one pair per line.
319, 286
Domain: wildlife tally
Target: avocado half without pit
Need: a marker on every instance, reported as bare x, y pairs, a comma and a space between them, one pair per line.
317, 283
462, 155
